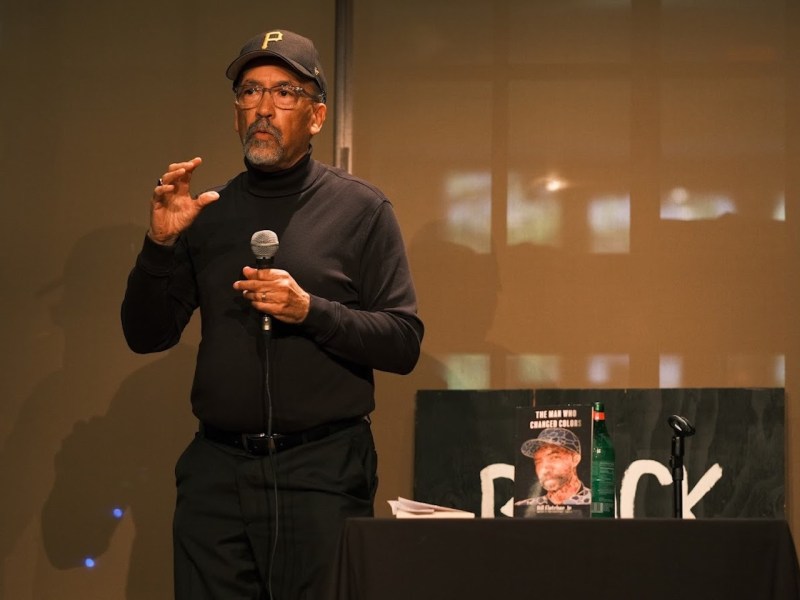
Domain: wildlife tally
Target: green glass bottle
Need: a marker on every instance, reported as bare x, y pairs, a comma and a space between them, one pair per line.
604, 481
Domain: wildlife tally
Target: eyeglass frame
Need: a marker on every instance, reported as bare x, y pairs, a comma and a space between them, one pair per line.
299, 90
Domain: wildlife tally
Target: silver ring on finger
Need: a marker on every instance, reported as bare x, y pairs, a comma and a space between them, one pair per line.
263, 296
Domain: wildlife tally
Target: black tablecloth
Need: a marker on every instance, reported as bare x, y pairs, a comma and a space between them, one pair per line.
647, 559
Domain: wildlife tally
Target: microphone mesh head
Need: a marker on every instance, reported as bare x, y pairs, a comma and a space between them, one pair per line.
264, 244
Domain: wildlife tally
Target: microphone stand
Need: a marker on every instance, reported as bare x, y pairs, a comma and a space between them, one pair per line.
682, 428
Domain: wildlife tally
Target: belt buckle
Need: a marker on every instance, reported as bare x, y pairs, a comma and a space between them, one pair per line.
256, 443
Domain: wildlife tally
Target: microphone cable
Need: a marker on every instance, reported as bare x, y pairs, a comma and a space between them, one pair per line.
271, 454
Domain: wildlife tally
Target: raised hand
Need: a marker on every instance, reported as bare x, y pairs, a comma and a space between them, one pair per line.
173, 208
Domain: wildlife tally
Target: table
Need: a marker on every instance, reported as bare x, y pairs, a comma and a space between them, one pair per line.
647, 559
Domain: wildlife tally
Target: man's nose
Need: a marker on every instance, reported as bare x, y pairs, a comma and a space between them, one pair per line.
265, 106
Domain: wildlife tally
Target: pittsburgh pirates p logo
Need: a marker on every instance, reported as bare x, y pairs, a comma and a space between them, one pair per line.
272, 36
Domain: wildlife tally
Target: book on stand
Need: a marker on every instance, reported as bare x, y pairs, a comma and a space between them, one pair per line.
553, 461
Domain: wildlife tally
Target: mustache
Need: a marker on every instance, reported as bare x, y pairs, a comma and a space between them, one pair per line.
262, 126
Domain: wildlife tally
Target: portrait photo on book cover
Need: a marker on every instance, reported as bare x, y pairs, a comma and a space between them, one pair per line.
553, 462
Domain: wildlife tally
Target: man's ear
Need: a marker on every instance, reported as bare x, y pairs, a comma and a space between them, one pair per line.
318, 117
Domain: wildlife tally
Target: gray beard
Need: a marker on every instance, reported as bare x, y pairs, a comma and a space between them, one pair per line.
262, 154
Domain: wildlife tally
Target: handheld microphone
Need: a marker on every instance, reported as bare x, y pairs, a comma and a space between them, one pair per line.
264, 245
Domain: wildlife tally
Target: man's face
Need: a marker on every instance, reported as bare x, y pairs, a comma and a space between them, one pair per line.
273, 138
555, 466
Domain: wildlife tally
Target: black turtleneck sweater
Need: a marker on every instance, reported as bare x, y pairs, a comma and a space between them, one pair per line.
340, 240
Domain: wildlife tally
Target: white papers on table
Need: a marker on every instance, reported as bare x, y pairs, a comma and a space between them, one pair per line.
403, 508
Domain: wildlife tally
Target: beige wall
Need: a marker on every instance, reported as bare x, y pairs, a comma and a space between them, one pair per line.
537, 153
594, 193
97, 99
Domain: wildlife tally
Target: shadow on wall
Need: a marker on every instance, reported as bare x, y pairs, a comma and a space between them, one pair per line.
457, 291
82, 439
123, 463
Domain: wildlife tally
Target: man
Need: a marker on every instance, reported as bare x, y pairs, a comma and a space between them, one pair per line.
556, 453
284, 452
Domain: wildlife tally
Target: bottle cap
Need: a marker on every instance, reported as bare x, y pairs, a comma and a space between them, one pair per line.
598, 412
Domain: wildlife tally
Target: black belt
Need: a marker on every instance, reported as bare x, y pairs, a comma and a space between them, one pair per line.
260, 443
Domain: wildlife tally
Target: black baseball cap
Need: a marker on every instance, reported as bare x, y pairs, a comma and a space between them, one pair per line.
296, 51
555, 436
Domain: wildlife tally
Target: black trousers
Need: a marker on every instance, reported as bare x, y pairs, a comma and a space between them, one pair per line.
236, 536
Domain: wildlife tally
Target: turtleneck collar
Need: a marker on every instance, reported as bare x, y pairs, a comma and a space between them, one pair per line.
274, 184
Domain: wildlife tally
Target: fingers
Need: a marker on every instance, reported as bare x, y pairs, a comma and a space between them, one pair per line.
274, 291
166, 183
177, 172
270, 274
252, 281
260, 280
176, 181
207, 198
187, 166
255, 296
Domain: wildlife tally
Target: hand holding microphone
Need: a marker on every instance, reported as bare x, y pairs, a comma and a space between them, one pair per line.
264, 245
272, 291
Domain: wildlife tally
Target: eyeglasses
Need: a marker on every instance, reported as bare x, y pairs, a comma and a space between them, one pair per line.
282, 95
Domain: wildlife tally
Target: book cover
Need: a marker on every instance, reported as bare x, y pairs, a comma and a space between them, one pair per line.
553, 461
